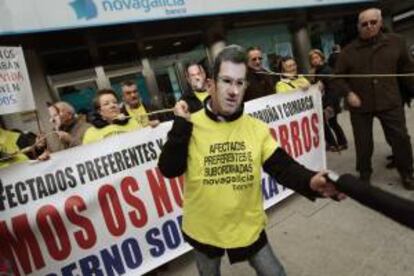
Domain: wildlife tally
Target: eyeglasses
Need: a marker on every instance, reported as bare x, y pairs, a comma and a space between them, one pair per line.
257, 58
229, 82
367, 23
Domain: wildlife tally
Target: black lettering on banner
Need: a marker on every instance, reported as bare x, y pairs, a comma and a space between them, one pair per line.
229, 163
41, 186
35, 188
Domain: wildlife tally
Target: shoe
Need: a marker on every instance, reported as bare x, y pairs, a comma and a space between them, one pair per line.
342, 147
332, 149
407, 181
365, 177
390, 165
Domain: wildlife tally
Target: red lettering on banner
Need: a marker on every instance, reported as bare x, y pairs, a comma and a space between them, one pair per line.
109, 200
298, 136
297, 143
284, 138
23, 243
73, 206
139, 218
177, 187
315, 129
54, 232
273, 133
159, 192
306, 134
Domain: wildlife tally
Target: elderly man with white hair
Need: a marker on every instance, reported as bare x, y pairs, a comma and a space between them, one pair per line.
70, 128
375, 52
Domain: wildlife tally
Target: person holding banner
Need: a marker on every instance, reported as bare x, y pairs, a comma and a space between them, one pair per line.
375, 52
221, 152
69, 127
16, 147
290, 80
132, 105
9, 149
260, 82
108, 119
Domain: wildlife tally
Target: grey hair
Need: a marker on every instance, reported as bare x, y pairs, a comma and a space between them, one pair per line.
66, 106
377, 12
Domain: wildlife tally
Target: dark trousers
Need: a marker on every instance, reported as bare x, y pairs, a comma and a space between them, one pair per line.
334, 135
395, 130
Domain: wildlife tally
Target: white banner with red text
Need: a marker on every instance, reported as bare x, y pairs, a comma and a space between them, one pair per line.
105, 209
15, 89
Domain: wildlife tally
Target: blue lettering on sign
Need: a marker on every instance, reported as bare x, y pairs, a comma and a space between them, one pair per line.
146, 5
110, 261
7, 100
171, 234
168, 237
152, 239
90, 266
270, 188
132, 253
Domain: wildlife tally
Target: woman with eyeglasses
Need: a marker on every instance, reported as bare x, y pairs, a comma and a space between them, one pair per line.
290, 80
334, 135
108, 119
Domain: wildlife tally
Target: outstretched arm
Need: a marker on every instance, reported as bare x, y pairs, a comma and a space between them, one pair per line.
295, 176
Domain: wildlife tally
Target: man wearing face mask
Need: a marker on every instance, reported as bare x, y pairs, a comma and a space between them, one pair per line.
197, 80
221, 151
260, 83
375, 52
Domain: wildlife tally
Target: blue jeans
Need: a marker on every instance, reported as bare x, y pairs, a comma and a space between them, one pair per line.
264, 262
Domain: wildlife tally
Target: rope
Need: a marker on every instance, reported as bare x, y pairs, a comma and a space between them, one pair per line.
166, 110
342, 75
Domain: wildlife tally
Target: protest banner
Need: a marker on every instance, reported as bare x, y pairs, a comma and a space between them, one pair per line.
15, 88
105, 208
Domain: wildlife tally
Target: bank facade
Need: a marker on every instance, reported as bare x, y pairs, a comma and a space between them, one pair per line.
73, 48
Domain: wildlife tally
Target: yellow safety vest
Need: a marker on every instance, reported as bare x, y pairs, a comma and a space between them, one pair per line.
8, 140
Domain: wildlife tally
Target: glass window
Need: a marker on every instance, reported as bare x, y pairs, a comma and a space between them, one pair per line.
79, 95
274, 40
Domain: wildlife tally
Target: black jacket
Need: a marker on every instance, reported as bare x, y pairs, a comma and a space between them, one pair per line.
384, 54
330, 97
259, 85
194, 104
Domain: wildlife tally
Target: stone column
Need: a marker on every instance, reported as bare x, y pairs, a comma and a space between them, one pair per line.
215, 37
301, 41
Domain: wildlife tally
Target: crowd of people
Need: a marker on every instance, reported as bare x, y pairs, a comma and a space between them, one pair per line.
218, 221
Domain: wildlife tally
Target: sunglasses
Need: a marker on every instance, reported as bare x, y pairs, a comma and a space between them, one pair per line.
257, 58
367, 23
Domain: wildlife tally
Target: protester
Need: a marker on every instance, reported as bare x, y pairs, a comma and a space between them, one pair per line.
375, 52
17, 146
334, 135
221, 151
260, 82
108, 119
133, 106
69, 127
290, 80
333, 57
198, 82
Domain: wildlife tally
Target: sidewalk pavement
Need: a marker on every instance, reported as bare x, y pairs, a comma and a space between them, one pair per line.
326, 238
